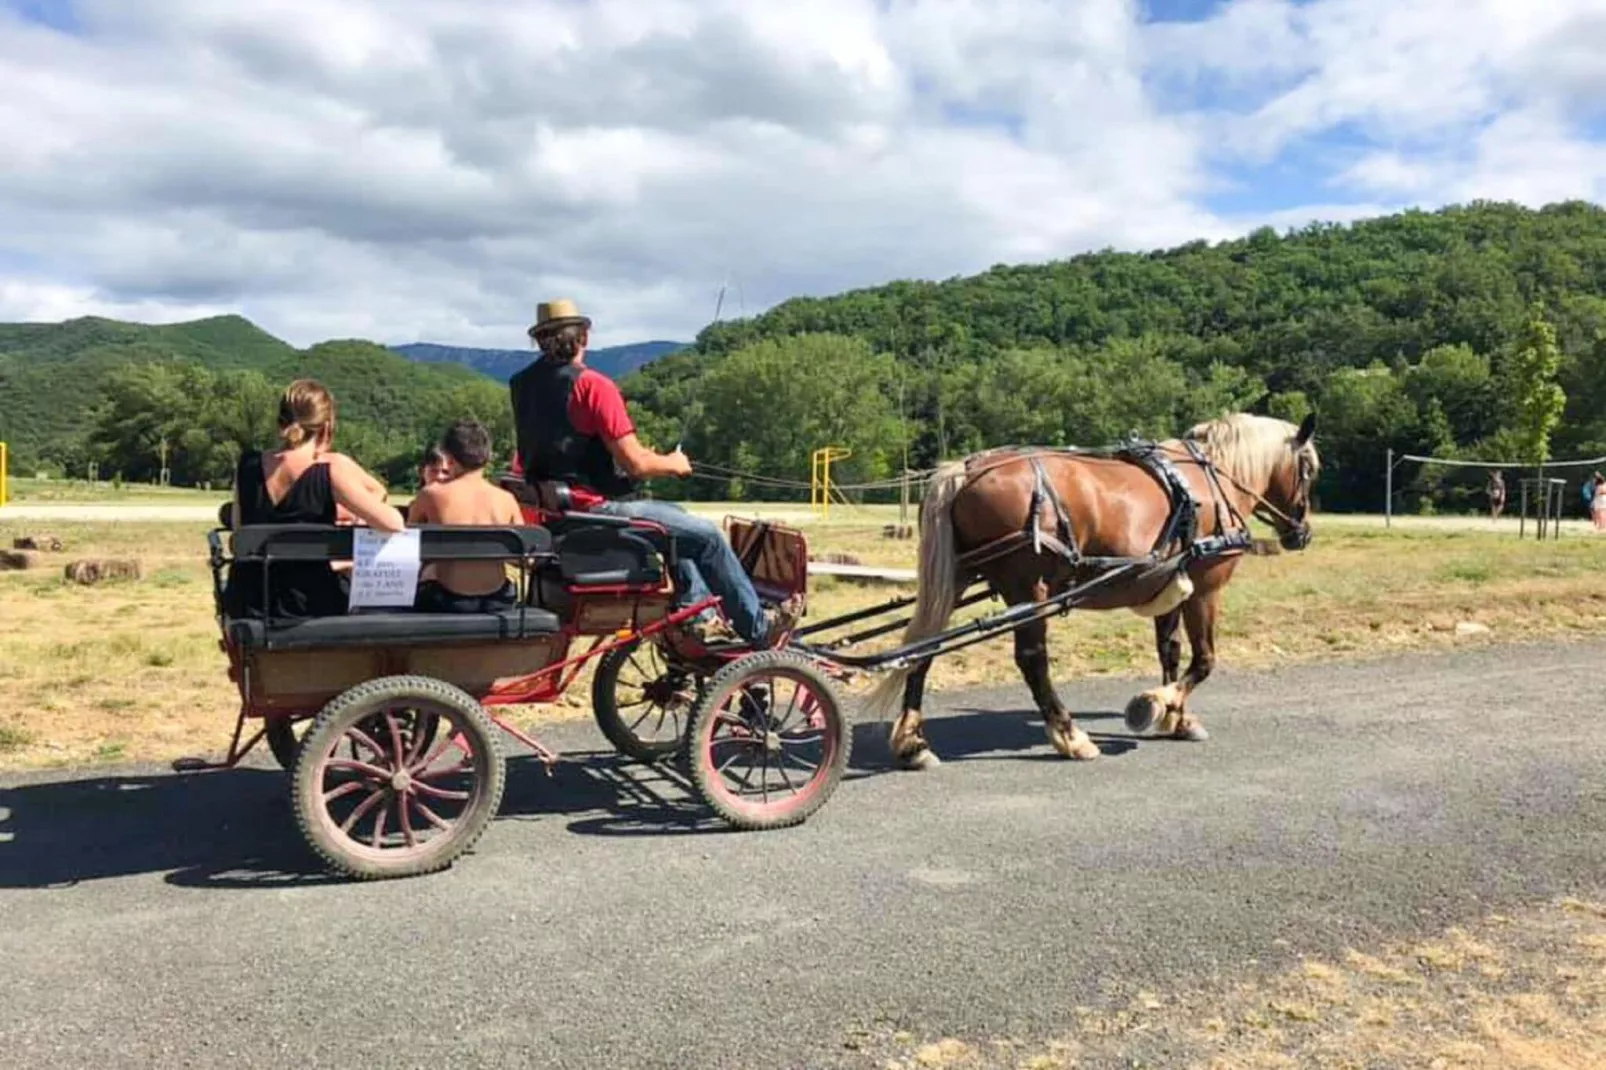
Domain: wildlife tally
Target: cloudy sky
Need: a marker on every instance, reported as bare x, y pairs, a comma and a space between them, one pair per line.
430, 169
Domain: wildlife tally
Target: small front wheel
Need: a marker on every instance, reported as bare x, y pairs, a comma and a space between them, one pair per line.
642, 702
377, 796
768, 740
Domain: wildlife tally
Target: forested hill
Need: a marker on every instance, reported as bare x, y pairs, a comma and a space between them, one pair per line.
613, 361
101, 390
1401, 331
1476, 332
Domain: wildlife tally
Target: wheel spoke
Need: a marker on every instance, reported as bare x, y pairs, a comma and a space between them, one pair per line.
436, 774
403, 809
366, 769
811, 767
434, 756
780, 767
438, 793
345, 789
429, 815
379, 825
726, 764
786, 718
362, 808
399, 752
421, 735
357, 735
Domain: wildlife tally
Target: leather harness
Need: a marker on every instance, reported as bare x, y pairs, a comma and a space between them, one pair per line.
1180, 531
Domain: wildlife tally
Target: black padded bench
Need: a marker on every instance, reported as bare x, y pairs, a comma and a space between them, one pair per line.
262, 546
388, 628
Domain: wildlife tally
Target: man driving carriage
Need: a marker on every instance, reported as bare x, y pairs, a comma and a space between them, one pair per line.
576, 436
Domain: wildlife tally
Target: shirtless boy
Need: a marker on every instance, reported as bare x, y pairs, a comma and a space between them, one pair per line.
465, 498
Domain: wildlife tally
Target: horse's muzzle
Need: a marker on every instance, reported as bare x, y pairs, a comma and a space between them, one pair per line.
1296, 538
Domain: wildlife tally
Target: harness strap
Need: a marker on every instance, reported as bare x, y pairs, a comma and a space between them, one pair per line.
1181, 529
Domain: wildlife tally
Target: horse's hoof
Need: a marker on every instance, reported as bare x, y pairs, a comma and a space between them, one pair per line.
1191, 731
920, 760
1143, 713
1074, 745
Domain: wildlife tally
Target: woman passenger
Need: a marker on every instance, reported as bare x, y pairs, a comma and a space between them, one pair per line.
302, 482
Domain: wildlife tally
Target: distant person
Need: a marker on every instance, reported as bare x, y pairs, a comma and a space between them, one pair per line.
464, 497
433, 467
574, 428
1497, 494
1597, 501
302, 482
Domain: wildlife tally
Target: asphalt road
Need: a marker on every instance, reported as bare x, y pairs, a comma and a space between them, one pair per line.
155, 919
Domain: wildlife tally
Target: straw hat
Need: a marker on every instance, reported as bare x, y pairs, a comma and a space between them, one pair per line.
555, 314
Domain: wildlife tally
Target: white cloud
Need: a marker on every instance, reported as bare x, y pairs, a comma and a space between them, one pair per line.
401, 169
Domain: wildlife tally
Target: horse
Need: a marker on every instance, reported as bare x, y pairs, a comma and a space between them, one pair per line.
1032, 521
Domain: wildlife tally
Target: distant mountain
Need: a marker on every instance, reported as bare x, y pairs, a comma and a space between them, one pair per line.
500, 364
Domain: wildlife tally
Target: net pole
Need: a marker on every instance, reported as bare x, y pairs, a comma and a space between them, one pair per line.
1388, 491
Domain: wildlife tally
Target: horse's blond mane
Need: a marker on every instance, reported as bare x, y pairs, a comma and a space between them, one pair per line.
1249, 447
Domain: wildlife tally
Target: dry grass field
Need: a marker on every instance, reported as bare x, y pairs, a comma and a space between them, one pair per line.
131, 670
1519, 992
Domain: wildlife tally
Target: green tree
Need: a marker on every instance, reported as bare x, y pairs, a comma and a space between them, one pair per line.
767, 406
1537, 399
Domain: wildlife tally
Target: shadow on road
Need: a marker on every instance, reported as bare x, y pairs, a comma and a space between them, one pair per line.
971, 734
235, 828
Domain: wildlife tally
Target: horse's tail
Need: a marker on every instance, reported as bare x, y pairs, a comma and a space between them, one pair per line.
937, 577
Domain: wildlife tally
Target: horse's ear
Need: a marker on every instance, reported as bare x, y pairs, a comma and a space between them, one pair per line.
1306, 429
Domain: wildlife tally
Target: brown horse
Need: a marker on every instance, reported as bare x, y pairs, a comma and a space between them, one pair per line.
1031, 522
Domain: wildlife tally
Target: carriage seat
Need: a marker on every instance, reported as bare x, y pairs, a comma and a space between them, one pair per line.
394, 628
596, 555
264, 545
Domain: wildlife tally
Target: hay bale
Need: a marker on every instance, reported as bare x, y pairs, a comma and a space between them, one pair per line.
48, 543
16, 560
94, 570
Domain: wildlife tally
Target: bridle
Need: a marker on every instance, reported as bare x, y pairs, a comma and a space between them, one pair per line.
1294, 532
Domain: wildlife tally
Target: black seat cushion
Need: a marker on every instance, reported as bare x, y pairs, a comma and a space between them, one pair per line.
592, 556
394, 628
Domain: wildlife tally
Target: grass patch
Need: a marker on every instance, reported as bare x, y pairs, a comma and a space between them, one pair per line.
1525, 991
13, 738
139, 661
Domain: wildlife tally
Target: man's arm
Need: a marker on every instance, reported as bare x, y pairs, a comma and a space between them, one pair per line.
639, 462
602, 412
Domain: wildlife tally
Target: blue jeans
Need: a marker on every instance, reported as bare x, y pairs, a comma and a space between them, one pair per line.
706, 561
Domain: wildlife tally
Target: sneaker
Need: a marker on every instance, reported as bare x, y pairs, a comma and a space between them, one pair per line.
781, 619
712, 630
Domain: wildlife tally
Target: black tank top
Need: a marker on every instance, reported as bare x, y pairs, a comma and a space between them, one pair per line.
296, 589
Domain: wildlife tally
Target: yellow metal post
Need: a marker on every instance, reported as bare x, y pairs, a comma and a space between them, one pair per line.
820, 476
5, 475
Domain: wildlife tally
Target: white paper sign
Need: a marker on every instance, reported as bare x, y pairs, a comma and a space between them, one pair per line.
384, 567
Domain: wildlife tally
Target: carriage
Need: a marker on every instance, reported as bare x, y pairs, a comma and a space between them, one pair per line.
388, 720
411, 696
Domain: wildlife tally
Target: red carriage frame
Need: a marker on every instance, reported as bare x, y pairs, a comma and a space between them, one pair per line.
465, 665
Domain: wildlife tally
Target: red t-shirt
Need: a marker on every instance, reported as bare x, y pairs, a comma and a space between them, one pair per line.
596, 410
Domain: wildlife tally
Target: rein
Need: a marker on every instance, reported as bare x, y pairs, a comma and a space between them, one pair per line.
1261, 503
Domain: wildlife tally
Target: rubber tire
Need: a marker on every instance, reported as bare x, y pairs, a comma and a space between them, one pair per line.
371, 697
702, 721
283, 742
605, 709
